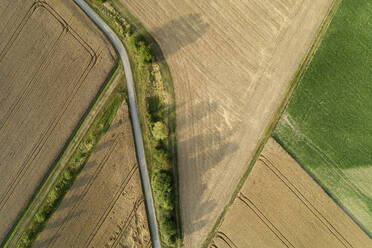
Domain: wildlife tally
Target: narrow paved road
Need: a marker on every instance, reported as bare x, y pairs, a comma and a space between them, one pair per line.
134, 116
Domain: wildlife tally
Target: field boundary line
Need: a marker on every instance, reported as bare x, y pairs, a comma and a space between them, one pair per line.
112, 80
222, 236
39, 145
27, 87
283, 105
11, 110
18, 30
265, 220
305, 201
66, 29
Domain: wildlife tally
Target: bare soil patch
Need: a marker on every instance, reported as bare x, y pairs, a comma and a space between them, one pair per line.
105, 206
231, 63
53, 61
281, 206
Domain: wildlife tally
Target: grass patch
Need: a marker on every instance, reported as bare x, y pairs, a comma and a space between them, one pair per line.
156, 110
327, 125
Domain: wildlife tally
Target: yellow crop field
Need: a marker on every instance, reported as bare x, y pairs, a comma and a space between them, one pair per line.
53, 61
105, 206
231, 64
281, 206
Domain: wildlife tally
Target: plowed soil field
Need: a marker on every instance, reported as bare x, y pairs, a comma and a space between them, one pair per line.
105, 206
53, 61
281, 206
231, 63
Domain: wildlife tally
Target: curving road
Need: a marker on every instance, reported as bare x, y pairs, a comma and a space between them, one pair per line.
134, 117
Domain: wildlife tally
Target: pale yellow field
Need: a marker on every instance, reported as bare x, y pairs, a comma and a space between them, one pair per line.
281, 206
231, 62
105, 206
53, 61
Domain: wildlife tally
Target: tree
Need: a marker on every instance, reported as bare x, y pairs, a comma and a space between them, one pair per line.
160, 131
162, 185
144, 52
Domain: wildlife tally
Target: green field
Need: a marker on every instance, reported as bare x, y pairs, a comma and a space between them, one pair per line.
327, 125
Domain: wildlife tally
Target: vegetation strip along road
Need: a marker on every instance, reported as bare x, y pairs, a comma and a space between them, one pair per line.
134, 118
155, 99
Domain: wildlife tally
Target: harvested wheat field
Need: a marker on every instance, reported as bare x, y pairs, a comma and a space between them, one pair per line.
231, 63
53, 61
105, 206
281, 206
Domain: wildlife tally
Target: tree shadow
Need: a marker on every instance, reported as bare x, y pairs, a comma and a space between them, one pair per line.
103, 145
180, 32
60, 221
205, 152
45, 242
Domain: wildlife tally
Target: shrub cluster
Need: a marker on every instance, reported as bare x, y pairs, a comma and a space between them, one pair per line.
138, 44
99, 1
162, 179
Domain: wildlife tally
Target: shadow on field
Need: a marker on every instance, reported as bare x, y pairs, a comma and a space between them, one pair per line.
105, 144
45, 243
59, 222
180, 32
201, 153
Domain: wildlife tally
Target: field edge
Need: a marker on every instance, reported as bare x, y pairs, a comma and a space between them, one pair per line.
68, 145
278, 113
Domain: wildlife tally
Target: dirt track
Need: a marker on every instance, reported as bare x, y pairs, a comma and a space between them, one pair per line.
231, 62
281, 206
53, 61
105, 207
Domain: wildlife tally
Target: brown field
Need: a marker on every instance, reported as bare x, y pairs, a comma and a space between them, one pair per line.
53, 61
281, 206
231, 62
105, 206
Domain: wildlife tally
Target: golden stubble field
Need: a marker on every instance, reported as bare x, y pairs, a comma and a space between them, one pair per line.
231, 63
105, 206
280, 205
53, 61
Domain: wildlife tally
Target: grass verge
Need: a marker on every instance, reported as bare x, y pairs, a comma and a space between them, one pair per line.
75, 163
156, 110
276, 117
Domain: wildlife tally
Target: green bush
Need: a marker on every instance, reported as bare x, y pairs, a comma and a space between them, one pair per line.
141, 48
155, 108
159, 131
99, 1
161, 159
163, 191
144, 52
162, 185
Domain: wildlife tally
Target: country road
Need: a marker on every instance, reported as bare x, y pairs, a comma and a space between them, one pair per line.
134, 117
